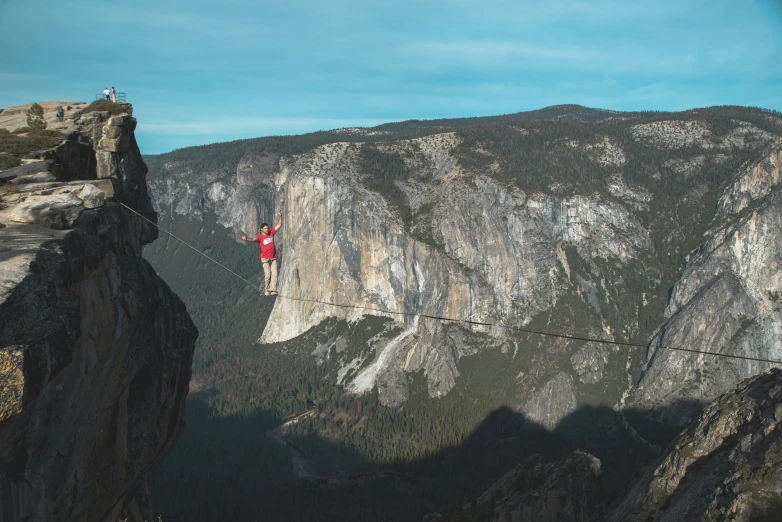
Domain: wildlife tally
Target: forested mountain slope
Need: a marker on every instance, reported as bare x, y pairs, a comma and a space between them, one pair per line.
567, 219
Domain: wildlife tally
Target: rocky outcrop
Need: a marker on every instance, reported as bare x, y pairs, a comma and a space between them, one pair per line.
29, 173
589, 362
727, 301
95, 349
549, 491
553, 402
540, 490
56, 211
758, 182
727, 465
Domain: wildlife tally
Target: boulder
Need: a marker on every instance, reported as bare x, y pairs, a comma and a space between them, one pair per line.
56, 211
92, 196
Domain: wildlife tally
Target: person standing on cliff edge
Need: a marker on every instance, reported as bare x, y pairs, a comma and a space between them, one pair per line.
268, 254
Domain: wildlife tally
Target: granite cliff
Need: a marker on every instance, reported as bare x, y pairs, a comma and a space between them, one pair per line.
566, 219
726, 465
657, 228
727, 299
95, 349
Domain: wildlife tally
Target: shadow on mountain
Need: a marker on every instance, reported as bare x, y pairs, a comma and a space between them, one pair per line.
227, 468
714, 483
659, 426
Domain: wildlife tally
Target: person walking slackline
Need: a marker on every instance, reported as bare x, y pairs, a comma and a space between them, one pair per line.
268, 254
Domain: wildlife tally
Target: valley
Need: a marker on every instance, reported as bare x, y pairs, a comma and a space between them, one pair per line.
568, 219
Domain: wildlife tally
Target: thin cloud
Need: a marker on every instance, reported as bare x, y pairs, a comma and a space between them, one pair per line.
601, 57
490, 51
274, 125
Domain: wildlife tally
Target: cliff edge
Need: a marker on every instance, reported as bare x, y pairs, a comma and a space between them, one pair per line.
95, 349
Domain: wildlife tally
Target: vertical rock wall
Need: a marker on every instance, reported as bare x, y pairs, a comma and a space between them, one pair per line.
95, 349
727, 300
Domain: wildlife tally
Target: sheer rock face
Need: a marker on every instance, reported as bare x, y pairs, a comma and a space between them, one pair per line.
478, 247
95, 350
727, 300
482, 252
727, 465
494, 253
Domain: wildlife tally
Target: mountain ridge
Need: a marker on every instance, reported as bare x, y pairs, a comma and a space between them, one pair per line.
573, 226
454, 122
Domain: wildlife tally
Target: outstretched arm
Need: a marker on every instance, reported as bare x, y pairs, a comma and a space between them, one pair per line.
250, 239
279, 220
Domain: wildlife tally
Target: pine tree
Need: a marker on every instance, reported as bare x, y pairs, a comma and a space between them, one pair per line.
35, 117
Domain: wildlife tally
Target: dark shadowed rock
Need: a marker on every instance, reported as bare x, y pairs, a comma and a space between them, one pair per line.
106, 350
75, 158
539, 490
46, 154
95, 349
727, 465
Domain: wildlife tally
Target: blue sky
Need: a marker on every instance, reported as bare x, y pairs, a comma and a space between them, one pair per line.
204, 71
